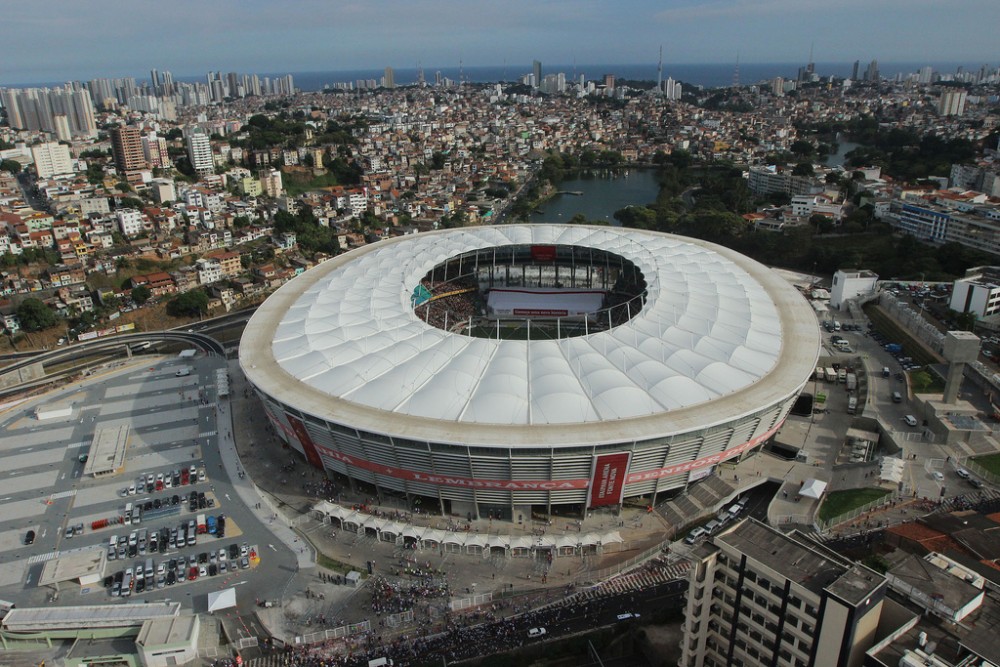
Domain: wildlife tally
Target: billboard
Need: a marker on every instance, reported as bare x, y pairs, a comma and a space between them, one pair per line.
308, 446
607, 480
543, 253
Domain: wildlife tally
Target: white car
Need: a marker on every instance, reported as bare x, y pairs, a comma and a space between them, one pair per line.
627, 615
910, 420
963, 473
534, 633
938, 476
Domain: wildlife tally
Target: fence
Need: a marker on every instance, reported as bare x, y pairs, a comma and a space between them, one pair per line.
336, 633
395, 620
972, 466
246, 642
474, 601
635, 561
855, 513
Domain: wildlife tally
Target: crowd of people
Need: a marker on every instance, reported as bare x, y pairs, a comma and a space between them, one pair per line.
394, 597
450, 311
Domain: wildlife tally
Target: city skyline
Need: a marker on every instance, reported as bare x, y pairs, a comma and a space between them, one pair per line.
84, 41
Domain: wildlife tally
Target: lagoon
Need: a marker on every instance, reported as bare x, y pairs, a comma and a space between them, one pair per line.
603, 191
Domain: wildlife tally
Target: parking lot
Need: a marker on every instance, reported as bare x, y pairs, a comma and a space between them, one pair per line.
167, 506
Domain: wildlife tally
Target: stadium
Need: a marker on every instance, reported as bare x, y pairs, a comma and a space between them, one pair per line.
517, 368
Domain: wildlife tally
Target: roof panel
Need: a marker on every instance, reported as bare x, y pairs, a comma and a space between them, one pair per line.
708, 328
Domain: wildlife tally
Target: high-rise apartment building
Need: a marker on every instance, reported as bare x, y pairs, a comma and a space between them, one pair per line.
154, 149
200, 153
126, 147
760, 597
389, 78
536, 70
952, 102
51, 159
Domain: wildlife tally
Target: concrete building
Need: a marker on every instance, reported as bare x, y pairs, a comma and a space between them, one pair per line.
849, 284
978, 292
765, 180
760, 597
129, 221
52, 159
154, 149
164, 642
199, 151
270, 182
952, 102
126, 147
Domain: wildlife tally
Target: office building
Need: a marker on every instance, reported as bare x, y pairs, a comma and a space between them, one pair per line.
536, 70
51, 159
760, 597
126, 147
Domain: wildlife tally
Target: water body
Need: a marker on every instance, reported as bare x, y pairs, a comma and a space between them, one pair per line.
843, 148
604, 192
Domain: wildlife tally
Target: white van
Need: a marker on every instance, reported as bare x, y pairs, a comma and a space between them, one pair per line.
695, 535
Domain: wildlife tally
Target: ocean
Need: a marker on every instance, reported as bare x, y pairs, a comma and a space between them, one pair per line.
705, 75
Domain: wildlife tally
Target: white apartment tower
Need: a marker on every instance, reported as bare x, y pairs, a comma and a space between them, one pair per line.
52, 159
952, 103
761, 597
200, 153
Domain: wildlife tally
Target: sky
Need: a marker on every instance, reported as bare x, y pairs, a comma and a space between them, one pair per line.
60, 40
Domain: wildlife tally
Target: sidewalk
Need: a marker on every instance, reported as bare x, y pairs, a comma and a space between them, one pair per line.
258, 502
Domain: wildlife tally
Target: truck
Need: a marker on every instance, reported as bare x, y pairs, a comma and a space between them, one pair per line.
819, 373
892, 348
212, 525
852, 382
202, 525
831, 375
852, 405
842, 376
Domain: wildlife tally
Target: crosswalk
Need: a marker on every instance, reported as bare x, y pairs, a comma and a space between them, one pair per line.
207, 434
276, 659
49, 555
652, 574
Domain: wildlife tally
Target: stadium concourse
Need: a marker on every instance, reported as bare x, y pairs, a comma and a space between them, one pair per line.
519, 370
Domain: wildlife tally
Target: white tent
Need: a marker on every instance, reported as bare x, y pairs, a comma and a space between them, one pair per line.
892, 469
223, 599
813, 488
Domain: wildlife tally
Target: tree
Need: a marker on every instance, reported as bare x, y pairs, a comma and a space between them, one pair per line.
802, 147
141, 294
35, 315
189, 304
921, 381
13, 166
803, 169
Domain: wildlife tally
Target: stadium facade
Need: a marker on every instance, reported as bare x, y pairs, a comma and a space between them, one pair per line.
479, 414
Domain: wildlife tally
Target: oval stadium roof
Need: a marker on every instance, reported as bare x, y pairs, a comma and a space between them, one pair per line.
710, 328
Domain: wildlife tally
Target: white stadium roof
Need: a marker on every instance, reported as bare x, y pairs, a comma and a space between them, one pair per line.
715, 323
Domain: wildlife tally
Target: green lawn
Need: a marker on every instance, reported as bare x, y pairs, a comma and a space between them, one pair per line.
991, 462
840, 502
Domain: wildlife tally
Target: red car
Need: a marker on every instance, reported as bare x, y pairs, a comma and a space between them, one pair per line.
193, 573
185, 476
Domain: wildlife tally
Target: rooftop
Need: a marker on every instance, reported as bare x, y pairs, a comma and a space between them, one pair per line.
41, 619
719, 336
168, 630
813, 568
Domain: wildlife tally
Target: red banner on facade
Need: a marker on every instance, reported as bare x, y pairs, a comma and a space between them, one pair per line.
607, 482
302, 435
543, 253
